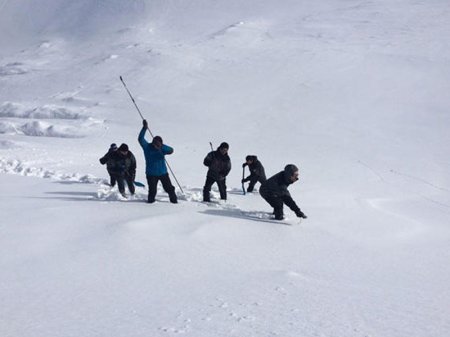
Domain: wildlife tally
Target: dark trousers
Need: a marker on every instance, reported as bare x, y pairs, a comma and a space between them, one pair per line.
252, 184
207, 188
121, 180
167, 186
112, 179
277, 204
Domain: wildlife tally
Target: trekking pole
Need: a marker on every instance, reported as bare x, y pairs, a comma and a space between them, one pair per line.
151, 134
210, 144
243, 175
134, 102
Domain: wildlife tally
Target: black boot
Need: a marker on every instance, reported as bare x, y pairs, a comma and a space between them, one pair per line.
173, 198
279, 217
206, 196
278, 212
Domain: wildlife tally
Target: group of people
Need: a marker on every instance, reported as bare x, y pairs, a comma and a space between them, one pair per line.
121, 166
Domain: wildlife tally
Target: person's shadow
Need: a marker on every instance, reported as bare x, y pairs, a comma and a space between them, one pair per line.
244, 215
72, 196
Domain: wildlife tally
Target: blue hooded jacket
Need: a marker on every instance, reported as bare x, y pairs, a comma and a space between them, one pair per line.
155, 164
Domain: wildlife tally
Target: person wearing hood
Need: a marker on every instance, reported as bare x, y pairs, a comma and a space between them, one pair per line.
219, 165
123, 168
275, 192
106, 159
257, 173
156, 168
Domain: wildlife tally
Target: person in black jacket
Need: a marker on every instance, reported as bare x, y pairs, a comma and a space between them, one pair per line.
123, 168
275, 192
219, 164
257, 172
106, 159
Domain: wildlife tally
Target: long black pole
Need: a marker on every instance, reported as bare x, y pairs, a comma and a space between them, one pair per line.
151, 134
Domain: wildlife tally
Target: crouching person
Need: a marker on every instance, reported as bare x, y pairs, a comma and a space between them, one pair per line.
257, 173
275, 192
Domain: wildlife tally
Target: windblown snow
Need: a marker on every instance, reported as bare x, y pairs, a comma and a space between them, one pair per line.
355, 93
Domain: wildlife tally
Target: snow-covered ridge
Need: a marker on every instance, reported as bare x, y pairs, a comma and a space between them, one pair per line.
47, 120
47, 111
24, 169
39, 129
24, 19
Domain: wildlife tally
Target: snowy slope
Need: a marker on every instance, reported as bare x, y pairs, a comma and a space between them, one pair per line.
354, 93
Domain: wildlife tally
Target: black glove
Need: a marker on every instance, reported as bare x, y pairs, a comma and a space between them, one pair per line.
243, 181
244, 165
300, 214
145, 124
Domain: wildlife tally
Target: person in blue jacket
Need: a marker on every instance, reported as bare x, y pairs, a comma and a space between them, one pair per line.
156, 169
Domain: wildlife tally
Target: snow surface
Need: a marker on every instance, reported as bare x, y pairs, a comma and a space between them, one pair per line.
353, 92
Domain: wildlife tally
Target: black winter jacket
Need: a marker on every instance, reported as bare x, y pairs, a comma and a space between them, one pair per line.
277, 187
121, 165
257, 171
106, 159
219, 165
